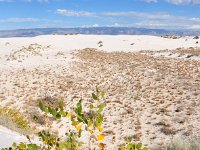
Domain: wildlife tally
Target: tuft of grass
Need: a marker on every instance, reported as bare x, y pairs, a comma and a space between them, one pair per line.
180, 144
168, 130
171, 36
163, 123
14, 120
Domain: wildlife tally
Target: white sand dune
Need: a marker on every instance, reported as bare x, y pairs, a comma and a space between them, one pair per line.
110, 42
49, 52
67, 43
7, 137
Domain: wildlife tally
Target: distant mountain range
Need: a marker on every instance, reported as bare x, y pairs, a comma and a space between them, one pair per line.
95, 30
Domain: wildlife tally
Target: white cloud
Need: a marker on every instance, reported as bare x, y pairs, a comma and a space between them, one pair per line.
73, 13
150, 1
184, 1
116, 25
6, 0
18, 20
194, 27
40, 1
157, 20
95, 25
176, 2
179, 23
146, 15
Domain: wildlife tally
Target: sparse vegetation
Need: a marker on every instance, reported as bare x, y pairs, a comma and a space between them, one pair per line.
181, 144
133, 146
189, 51
14, 120
161, 84
100, 43
24, 52
171, 36
168, 130
90, 121
196, 37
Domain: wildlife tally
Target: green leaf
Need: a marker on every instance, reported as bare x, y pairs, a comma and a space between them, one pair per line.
101, 107
103, 93
63, 113
81, 118
35, 117
78, 109
74, 123
42, 107
91, 106
58, 116
62, 146
89, 123
52, 111
22, 146
99, 120
145, 148
131, 146
14, 145
61, 104
94, 96
32, 147
139, 146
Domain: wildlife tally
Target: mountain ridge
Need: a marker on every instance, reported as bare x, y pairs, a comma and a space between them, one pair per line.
95, 30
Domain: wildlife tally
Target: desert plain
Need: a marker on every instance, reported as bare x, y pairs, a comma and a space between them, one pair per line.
152, 84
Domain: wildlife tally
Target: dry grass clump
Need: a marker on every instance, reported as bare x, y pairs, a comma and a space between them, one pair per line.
163, 123
190, 51
178, 53
180, 144
171, 37
14, 120
50, 101
168, 130
31, 50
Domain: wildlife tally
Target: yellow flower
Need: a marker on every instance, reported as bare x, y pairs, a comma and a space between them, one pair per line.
78, 127
100, 137
100, 129
68, 115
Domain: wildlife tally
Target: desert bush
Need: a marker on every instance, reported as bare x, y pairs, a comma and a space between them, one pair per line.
133, 146
90, 121
180, 144
196, 37
168, 130
171, 37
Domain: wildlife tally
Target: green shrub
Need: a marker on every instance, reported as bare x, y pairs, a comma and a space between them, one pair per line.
133, 146
90, 121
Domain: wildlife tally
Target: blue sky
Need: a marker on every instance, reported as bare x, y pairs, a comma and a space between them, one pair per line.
162, 14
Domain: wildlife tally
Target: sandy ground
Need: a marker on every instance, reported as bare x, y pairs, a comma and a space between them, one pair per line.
49, 46
7, 137
153, 96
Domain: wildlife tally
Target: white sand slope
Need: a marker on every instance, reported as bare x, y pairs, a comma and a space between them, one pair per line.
7, 137
110, 42
51, 45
